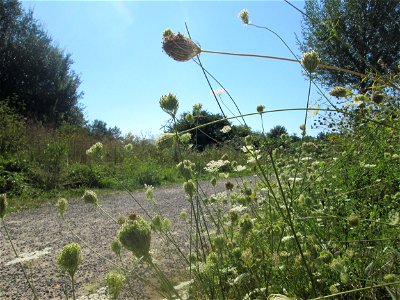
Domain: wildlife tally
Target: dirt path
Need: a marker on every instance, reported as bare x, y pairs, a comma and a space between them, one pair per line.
41, 230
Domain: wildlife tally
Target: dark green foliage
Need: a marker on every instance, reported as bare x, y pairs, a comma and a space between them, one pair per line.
207, 135
13, 176
276, 132
359, 35
148, 176
80, 175
35, 76
100, 130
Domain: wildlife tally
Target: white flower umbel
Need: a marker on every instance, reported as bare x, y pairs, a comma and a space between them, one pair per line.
214, 165
226, 129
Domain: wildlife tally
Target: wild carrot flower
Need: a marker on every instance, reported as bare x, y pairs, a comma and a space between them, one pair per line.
115, 282
189, 187
216, 165
128, 147
244, 16
135, 236
3, 205
149, 192
166, 140
116, 247
170, 104
186, 168
185, 138
339, 92
189, 118
62, 205
90, 197
260, 108
96, 151
70, 258
197, 108
310, 61
226, 129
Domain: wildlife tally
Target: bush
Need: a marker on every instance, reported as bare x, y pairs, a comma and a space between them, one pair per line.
79, 175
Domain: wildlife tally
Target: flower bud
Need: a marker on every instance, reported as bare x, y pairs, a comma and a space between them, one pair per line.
169, 103
90, 197
244, 16
70, 258
62, 205
189, 187
310, 61
135, 236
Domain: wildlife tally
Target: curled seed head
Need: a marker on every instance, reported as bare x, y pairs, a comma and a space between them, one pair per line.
178, 46
310, 61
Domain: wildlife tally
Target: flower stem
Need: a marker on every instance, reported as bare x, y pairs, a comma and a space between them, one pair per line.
285, 59
32, 288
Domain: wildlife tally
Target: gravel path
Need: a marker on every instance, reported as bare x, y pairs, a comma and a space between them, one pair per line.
40, 232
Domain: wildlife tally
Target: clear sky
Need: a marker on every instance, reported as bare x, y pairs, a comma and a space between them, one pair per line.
116, 49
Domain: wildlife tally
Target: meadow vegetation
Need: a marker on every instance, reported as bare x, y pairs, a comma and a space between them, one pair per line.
322, 220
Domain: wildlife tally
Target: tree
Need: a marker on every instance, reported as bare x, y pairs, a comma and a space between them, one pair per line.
35, 76
100, 130
205, 136
359, 35
276, 132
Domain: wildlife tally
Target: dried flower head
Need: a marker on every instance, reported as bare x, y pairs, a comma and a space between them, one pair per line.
169, 103
310, 61
62, 205
70, 258
339, 92
135, 236
115, 282
90, 197
244, 16
3, 205
178, 46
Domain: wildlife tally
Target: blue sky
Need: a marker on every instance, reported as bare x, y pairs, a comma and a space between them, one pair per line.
116, 48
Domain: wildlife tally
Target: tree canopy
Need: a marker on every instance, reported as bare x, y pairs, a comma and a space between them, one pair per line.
36, 78
359, 35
